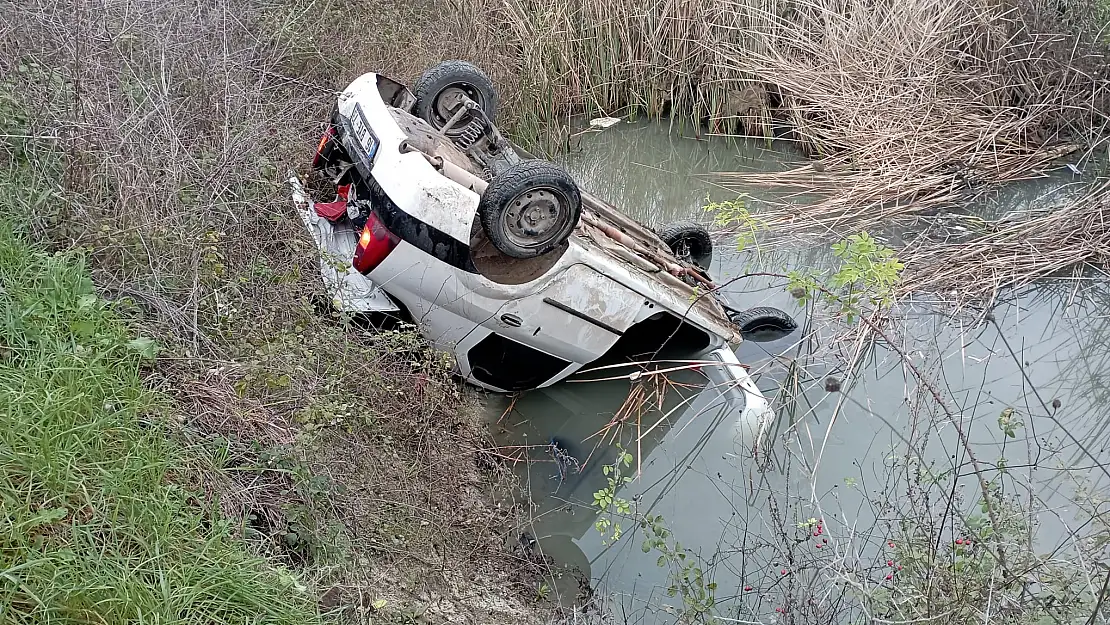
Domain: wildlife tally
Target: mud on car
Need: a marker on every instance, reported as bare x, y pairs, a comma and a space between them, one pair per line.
499, 257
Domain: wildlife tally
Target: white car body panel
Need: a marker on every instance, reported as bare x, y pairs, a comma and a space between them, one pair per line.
408, 178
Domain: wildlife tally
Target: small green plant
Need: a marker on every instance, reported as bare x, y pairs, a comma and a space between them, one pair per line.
304, 532
327, 412
868, 274
687, 576
1009, 423
868, 266
735, 214
807, 524
607, 502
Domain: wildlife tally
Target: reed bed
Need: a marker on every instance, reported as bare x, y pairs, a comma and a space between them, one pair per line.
906, 106
635, 56
1014, 253
911, 106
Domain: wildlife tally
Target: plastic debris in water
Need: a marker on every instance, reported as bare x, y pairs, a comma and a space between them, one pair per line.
604, 122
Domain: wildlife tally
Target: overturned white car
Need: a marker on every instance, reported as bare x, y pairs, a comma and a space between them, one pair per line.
499, 257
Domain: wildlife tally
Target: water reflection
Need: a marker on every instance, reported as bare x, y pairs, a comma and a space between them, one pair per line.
657, 176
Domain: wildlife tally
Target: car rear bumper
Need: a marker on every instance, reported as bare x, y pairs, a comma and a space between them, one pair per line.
349, 290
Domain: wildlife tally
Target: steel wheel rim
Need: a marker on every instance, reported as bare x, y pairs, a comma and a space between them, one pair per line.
536, 217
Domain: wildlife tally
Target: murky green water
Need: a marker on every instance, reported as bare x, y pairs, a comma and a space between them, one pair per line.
836, 456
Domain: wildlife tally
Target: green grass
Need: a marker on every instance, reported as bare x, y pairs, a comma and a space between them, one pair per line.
98, 525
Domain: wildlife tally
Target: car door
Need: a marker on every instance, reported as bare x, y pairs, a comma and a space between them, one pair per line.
548, 334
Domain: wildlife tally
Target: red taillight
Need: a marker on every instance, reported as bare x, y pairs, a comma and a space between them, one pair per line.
374, 245
329, 134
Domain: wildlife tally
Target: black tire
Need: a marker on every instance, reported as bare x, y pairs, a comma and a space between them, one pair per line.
763, 323
450, 78
689, 241
540, 189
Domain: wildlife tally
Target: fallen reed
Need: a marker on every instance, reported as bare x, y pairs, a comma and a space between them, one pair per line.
906, 106
1014, 252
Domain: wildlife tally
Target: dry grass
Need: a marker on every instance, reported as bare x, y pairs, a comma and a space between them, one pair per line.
174, 122
627, 56
909, 106
1014, 252
163, 131
912, 106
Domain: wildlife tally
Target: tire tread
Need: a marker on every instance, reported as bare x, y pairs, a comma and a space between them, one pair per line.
695, 234
754, 318
511, 183
439, 76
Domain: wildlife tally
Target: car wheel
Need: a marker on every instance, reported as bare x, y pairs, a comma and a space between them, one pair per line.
689, 241
763, 323
530, 209
440, 90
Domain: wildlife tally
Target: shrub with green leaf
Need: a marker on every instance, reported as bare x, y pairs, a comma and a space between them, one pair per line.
868, 274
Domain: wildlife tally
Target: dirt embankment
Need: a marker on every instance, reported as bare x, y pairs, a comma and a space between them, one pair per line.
159, 135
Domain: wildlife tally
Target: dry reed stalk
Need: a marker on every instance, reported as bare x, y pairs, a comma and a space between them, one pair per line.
655, 57
1014, 253
910, 105
914, 105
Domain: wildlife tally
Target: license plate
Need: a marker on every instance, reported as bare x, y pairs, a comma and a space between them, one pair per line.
364, 137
